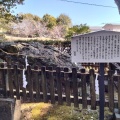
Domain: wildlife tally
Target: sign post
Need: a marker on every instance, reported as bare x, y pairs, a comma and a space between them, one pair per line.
97, 47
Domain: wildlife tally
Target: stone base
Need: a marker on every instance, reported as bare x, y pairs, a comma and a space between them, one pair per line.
6, 108
117, 116
17, 111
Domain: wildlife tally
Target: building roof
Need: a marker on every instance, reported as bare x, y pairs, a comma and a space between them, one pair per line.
96, 28
101, 31
111, 24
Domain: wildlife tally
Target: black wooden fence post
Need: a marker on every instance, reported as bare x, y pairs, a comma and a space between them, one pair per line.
101, 91
44, 84
30, 82
37, 83
10, 81
84, 92
92, 89
23, 88
51, 81
16, 81
67, 86
111, 90
119, 93
59, 85
3, 80
75, 88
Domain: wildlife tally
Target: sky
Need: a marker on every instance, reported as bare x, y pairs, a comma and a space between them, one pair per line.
79, 13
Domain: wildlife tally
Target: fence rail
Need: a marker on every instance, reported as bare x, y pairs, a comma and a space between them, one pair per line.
48, 85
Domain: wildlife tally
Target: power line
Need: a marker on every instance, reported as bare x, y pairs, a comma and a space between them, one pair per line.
97, 5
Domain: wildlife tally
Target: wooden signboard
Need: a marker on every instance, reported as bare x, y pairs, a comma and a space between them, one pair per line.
102, 46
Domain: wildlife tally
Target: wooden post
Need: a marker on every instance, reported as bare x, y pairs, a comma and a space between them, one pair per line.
84, 92
119, 93
17, 82
3, 80
10, 81
1, 83
101, 91
52, 91
75, 88
44, 84
111, 90
67, 86
59, 85
24, 95
30, 83
20, 76
92, 89
37, 83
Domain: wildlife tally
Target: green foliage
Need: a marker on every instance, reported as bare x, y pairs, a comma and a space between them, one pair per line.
77, 29
31, 17
6, 5
69, 34
55, 42
37, 18
49, 42
64, 20
49, 20
2, 37
27, 16
5, 20
5, 13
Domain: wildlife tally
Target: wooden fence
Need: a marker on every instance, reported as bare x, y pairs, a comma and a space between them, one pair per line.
48, 85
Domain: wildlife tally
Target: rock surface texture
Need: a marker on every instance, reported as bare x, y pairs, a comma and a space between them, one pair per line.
37, 54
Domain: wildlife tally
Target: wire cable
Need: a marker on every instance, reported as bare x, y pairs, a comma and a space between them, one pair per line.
97, 5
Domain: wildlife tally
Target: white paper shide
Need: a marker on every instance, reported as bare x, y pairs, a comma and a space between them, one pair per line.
24, 75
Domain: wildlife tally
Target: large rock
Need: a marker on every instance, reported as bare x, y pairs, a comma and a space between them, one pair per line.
37, 54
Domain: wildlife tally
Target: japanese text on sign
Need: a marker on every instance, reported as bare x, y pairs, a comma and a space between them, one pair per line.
96, 49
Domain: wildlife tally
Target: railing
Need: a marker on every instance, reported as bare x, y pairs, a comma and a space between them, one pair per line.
48, 85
